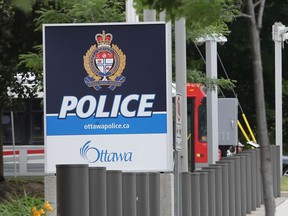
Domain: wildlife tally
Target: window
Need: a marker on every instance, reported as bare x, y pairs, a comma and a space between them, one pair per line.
28, 123
36, 127
19, 127
202, 123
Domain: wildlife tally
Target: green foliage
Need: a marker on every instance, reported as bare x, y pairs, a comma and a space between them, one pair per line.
6, 15
25, 6
197, 31
6, 22
285, 115
15, 38
71, 11
20, 206
194, 76
84, 11
202, 16
32, 60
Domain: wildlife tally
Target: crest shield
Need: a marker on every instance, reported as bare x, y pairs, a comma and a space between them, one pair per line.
104, 61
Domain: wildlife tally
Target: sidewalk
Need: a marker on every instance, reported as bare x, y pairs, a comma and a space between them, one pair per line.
281, 207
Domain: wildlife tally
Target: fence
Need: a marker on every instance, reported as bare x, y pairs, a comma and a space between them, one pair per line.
24, 160
231, 187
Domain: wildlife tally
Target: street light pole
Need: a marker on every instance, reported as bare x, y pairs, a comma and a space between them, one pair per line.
131, 15
279, 35
212, 96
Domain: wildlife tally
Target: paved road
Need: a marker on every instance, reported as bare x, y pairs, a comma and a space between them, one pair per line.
281, 207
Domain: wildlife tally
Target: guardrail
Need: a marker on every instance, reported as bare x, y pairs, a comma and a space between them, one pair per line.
23, 160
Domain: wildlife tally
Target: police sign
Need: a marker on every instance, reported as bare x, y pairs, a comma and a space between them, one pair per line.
108, 96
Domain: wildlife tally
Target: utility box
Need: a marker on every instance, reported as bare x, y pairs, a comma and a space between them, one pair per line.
227, 121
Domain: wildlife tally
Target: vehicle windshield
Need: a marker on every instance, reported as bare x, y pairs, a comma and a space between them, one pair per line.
202, 123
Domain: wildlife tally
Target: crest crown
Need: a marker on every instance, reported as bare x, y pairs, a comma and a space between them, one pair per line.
103, 39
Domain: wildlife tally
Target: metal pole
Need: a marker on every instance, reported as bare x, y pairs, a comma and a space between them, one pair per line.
204, 206
258, 178
129, 194
243, 183
231, 185
275, 163
180, 63
253, 178
176, 184
149, 15
142, 190
212, 101
154, 194
97, 191
248, 181
131, 15
114, 193
218, 188
186, 194
279, 174
279, 35
72, 184
225, 189
181, 157
13, 143
238, 186
195, 194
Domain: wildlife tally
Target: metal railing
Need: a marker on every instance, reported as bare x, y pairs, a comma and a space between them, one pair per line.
23, 160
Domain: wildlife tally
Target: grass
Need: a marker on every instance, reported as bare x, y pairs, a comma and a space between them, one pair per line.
284, 183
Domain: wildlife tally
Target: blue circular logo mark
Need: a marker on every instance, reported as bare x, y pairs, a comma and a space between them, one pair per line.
93, 154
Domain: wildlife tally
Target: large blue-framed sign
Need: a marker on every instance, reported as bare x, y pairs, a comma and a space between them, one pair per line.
108, 96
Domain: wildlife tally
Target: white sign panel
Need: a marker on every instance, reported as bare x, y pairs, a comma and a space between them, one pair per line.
108, 96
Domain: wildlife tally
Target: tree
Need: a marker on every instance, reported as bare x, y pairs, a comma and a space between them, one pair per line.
238, 52
6, 10
11, 45
70, 11
255, 11
18, 37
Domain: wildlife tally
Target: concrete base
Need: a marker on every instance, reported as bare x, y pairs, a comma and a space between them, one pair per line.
167, 194
51, 192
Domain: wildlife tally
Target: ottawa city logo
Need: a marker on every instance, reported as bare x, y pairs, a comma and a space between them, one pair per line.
93, 154
104, 63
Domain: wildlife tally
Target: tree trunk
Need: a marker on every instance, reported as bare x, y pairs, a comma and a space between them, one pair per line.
262, 131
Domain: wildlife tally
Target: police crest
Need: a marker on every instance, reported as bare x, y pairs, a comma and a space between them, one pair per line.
104, 63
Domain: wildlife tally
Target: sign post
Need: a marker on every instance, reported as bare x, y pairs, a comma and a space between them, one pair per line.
178, 147
178, 104
279, 36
